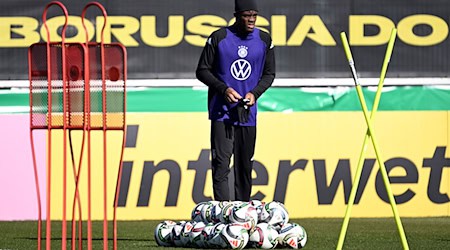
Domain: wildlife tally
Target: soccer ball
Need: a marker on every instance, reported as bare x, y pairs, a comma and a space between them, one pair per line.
225, 213
182, 238
265, 210
206, 215
235, 235
195, 234
163, 233
245, 215
176, 233
278, 217
275, 214
196, 214
265, 236
215, 239
292, 235
259, 205
216, 211
184, 234
206, 233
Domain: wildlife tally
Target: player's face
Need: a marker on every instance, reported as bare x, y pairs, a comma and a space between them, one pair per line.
246, 20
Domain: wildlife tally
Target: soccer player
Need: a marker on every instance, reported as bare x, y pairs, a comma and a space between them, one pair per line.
238, 66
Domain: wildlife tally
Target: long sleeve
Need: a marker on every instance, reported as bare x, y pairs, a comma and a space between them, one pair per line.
268, 74
205, 66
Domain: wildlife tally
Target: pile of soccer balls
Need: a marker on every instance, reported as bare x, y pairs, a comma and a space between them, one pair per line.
233, 225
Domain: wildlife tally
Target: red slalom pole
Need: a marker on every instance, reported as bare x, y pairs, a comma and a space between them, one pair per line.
33, 153
50, 125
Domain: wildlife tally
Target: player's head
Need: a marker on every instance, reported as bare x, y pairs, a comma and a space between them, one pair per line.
245, 12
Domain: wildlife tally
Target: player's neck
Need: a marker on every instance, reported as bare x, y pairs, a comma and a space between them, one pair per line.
240, 31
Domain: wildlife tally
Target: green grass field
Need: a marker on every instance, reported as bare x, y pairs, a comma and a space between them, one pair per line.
376, 233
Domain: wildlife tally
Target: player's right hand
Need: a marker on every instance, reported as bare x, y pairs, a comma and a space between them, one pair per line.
232, 96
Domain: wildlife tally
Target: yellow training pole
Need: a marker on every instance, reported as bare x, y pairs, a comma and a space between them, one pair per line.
370, 134
387, 57
358, 172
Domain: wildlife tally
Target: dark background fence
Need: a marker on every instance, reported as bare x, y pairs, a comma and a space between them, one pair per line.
164, 38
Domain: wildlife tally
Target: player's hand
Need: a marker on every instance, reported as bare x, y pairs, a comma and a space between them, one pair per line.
251, 99
232, 96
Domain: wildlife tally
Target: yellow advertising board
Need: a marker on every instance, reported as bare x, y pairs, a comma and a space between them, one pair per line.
306, 160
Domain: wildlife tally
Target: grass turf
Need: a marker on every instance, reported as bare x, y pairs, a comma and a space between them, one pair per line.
367, 233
